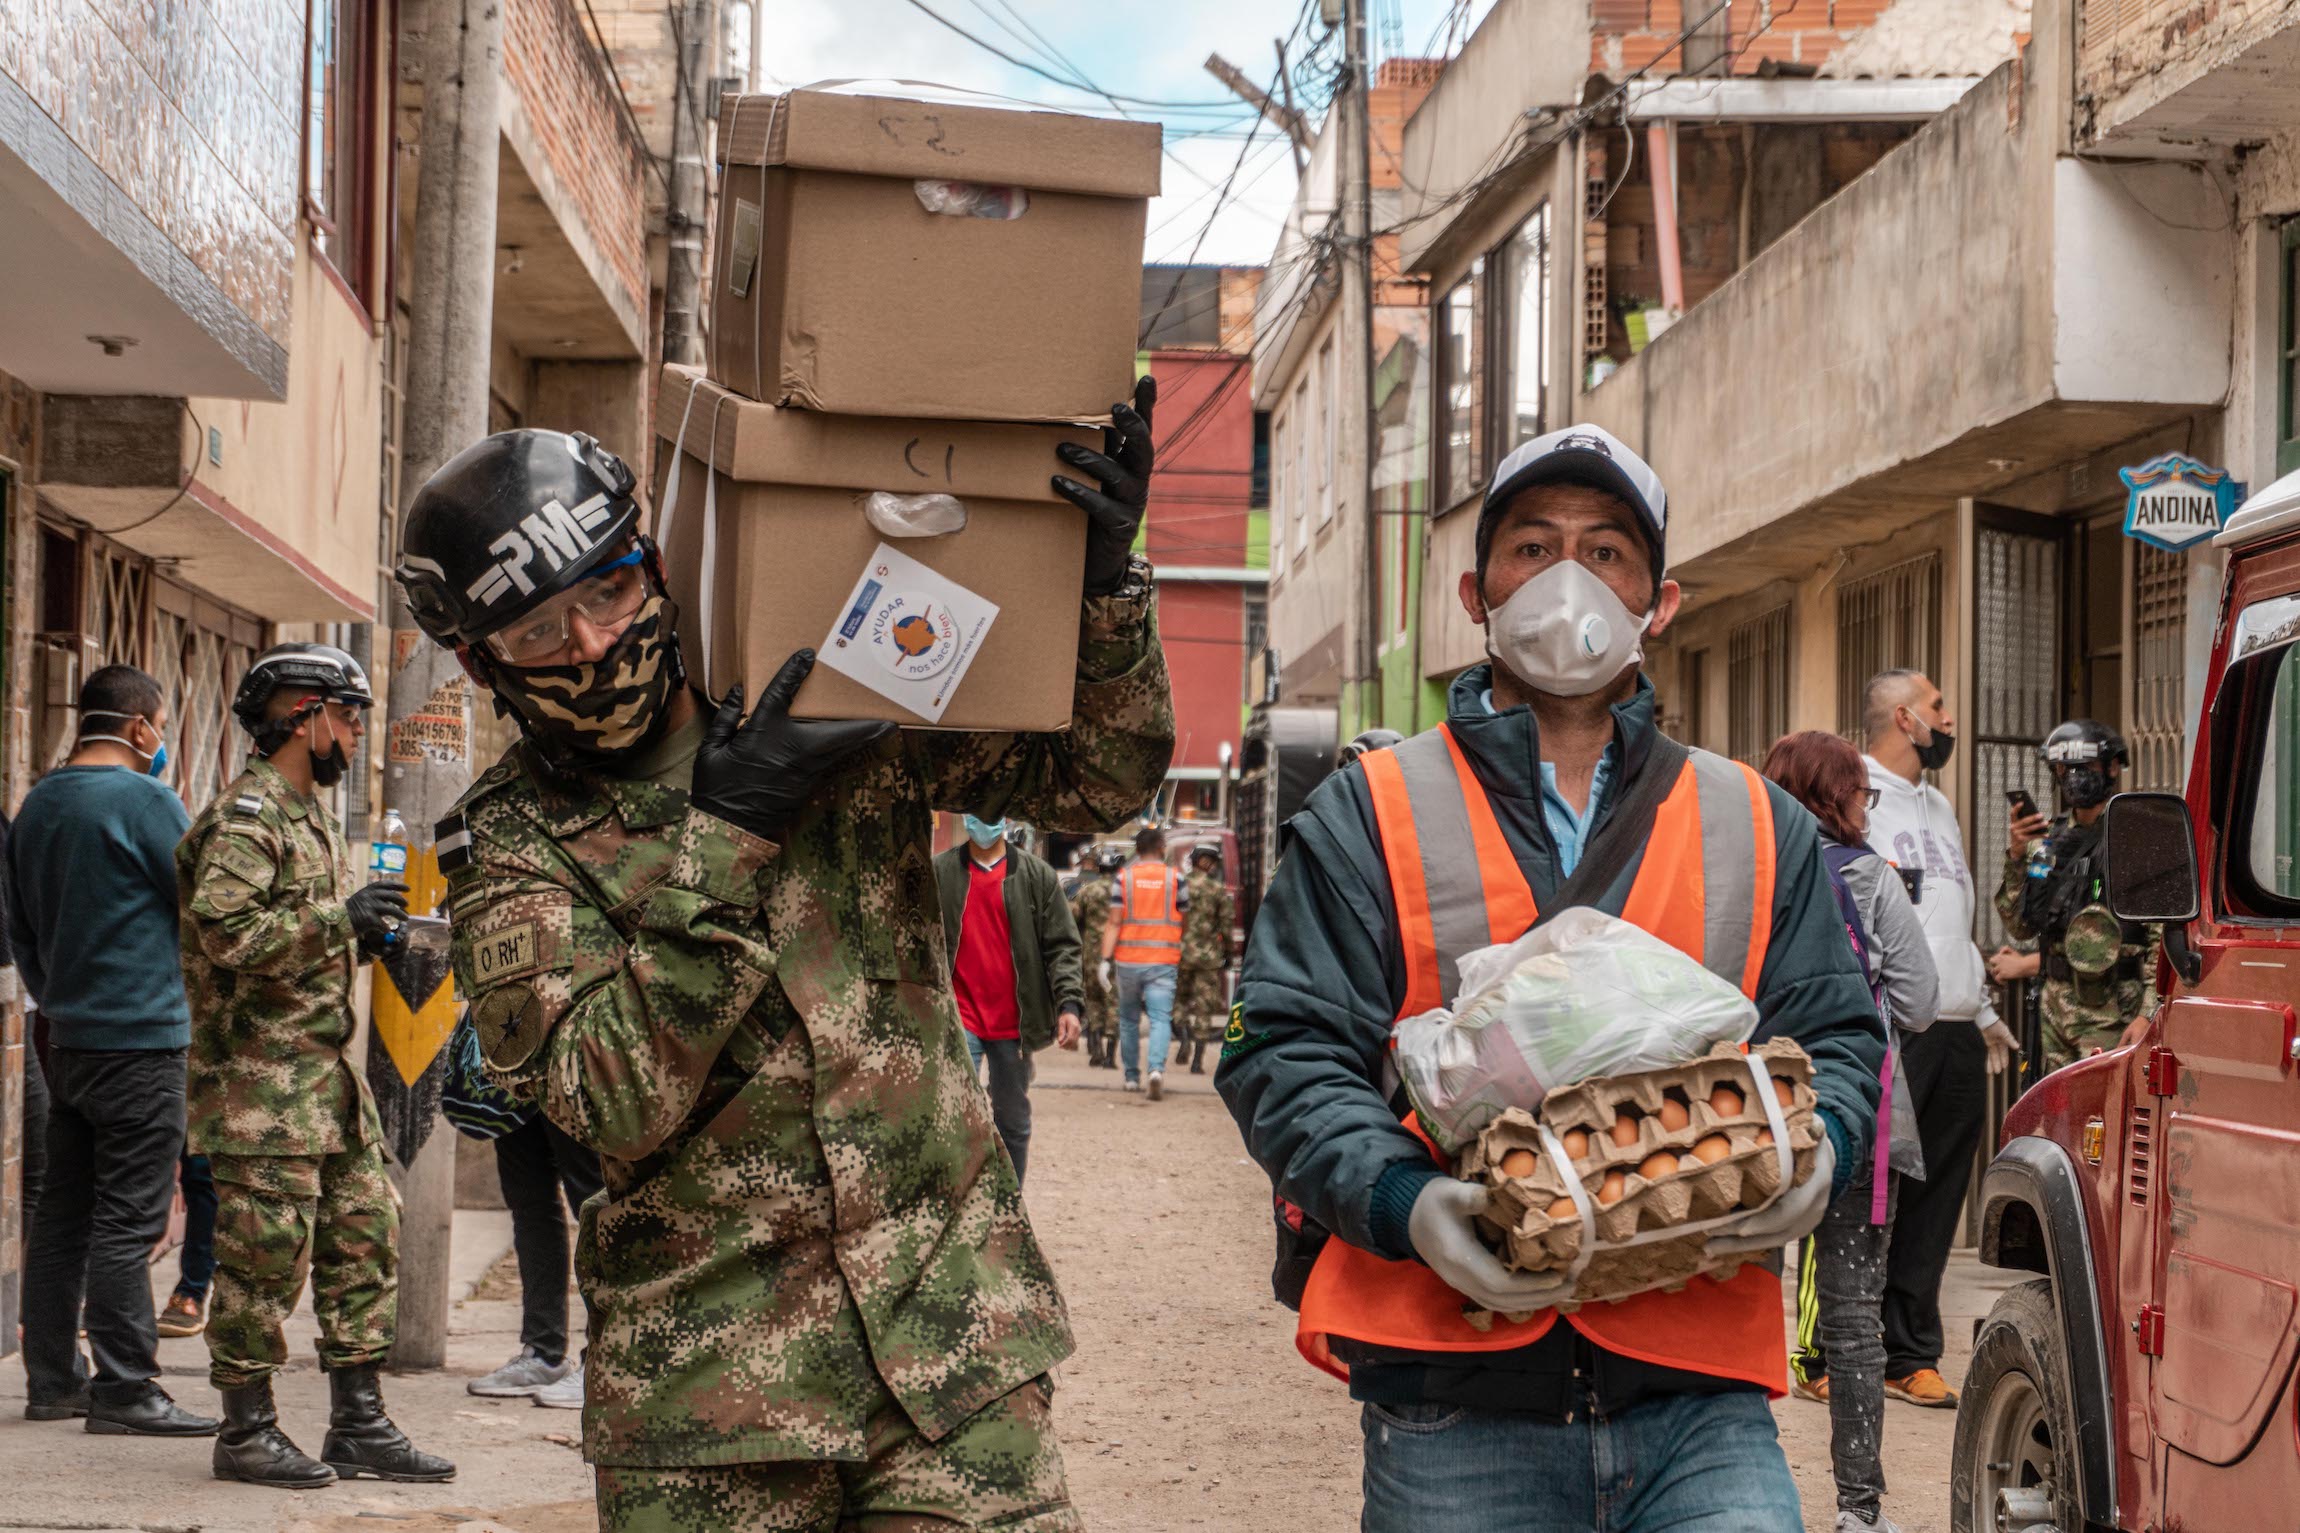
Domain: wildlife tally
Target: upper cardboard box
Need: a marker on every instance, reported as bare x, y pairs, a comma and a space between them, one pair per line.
856, 271
944, 139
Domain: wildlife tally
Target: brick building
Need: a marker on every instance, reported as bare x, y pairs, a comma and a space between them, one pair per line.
202, 342
1204, 531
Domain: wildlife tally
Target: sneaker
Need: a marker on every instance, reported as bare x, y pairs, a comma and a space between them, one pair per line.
1925, 1387
565, 1395
1132, 1084
523, 1375
183, 1315
1874, 1522
1811, 1389
1157, 1084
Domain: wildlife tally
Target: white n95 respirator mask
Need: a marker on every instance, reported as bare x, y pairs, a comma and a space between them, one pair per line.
1564, 632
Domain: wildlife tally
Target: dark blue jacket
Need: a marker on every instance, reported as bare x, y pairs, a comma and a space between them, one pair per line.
1323, 979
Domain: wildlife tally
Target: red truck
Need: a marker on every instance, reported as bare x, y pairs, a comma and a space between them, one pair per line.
2143, 1378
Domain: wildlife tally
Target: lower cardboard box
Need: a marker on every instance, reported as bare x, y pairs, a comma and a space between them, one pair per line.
929, 563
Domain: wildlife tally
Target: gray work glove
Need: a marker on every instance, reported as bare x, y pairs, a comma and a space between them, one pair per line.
1443, 1230
1109, 976
1791, 1216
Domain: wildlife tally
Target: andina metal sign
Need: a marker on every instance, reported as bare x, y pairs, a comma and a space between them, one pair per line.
2174, 501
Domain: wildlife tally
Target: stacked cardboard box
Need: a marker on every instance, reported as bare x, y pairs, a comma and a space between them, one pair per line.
911, 293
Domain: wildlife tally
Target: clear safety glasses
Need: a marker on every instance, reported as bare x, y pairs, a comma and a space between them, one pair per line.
609, 595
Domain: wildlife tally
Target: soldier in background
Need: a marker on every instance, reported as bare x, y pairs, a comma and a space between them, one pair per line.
271, 940
1090, 908
2099, 972
710, 948
1201, 997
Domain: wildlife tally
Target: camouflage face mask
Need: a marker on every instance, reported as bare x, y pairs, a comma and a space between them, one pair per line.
611, 707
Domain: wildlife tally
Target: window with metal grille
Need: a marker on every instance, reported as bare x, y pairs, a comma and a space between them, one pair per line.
1757, 685
2159, 693
2017, 690
200, 650
1889, 621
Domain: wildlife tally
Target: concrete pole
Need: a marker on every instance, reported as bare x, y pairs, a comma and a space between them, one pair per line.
1357, 359
690, 190
427, 758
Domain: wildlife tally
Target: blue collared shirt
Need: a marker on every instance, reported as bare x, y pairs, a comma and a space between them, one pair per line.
1567, 829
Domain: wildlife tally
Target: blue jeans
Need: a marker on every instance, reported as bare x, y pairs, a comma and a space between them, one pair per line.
1145, 987
1684, 1463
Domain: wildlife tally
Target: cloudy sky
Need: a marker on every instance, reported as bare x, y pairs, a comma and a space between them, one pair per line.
1152, 51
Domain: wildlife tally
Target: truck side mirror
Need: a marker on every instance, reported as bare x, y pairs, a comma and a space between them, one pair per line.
2151, 858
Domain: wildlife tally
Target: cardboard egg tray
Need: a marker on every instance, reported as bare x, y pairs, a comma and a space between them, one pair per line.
1746, 1178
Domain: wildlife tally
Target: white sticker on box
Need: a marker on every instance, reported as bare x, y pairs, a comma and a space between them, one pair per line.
908, 633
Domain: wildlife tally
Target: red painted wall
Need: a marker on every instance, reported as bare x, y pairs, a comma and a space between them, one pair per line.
1199, 498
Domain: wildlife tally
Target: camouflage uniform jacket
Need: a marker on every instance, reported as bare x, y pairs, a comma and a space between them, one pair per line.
1206, 923
1090, 908
804, 1187
2091, 1006
269, 960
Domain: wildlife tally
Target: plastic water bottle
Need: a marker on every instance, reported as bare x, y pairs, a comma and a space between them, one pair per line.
387, 855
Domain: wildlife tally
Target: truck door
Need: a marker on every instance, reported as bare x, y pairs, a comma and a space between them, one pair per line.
2224, 1318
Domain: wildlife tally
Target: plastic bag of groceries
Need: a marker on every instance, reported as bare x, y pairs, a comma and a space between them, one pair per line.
1583, 996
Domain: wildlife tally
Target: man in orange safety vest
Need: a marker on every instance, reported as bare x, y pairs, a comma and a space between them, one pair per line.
1143, 942
1549, 785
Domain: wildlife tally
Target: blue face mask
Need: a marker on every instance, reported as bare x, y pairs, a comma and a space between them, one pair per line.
154, 764
158, 765
985, 833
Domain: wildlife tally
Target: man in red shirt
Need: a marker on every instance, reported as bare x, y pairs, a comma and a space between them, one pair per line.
1014, 966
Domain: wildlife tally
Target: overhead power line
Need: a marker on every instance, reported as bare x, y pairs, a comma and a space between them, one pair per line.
1068, 84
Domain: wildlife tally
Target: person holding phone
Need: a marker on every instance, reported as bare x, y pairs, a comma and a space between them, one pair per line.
1911, 732
2099, 972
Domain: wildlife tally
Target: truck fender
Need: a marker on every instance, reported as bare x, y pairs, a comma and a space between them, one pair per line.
2033, 1220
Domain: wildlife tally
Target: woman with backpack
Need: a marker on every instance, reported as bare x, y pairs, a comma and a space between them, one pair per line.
1840, 1354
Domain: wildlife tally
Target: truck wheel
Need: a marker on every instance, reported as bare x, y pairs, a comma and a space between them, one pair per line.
2014, 1470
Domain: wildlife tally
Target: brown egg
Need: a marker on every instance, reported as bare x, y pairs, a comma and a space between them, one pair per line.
1562, 1209
1764, 1136
1610, 1190
1576, 1142
1725, 1102
1712, 1149
1519, 1163
1674, 1115
1783, 1092
1657, 1165
1625, 1129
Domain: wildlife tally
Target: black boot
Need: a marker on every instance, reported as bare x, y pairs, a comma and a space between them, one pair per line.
149, 1413
361, 1439
1198, 1057
252, 1447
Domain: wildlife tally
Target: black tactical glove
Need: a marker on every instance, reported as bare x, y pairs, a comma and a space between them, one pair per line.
1114, 512
756, 773
376, 912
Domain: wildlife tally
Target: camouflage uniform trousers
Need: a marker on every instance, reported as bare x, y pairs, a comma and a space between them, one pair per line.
1101, 1009
2079, 1016
999, 1468
281, 1219
1201, 1005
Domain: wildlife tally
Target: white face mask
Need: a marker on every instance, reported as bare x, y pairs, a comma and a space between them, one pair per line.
1564, 632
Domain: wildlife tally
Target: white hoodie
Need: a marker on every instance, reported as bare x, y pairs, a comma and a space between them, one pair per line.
1913, 827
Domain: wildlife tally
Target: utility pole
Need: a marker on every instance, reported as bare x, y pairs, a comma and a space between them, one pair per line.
1358, 337
1284, 118
1286, 87
690, 191
427, 732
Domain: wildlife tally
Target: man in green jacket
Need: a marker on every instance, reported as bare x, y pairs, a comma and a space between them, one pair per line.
1013, 965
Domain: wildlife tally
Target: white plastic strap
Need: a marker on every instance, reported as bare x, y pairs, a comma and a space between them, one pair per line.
1580, 1196
1763, 1084
669, 510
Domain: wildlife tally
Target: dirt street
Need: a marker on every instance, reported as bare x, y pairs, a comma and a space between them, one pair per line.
1186, 1406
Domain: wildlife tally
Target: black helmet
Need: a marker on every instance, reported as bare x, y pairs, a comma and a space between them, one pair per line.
322, 668
508, 523
1368, 740
2080, 753
1211, 849
1109, 858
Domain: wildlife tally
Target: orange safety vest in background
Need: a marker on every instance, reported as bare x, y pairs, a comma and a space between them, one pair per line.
1149, 915
1705, 887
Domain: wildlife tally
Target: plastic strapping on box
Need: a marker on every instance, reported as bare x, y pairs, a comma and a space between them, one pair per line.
1763, 1084
710, 551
